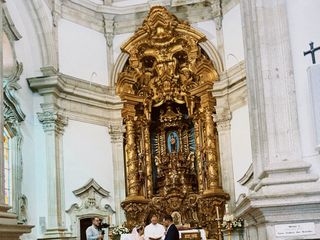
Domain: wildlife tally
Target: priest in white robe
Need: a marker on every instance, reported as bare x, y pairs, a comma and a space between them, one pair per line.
154, 231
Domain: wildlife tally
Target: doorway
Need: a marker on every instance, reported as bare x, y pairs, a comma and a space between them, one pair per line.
84, 224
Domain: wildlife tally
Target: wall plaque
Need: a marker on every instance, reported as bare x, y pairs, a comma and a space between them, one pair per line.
295, 229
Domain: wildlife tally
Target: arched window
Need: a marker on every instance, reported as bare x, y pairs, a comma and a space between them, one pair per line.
7, 167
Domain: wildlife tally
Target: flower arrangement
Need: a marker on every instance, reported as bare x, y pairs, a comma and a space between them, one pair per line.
233, 223
118, 230
230, 222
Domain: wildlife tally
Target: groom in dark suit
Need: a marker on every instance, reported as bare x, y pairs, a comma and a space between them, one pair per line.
172, 232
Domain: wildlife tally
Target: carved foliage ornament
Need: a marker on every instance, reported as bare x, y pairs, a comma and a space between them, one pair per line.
165, 62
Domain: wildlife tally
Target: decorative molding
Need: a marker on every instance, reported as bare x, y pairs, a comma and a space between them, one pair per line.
44, 22
8, 26
10, 85
92, 184
53, 121
207, 46
217, 12
231, 89
79, 99
247, 176
213, 54
230, 80
23, 209
222, 120
13, 116
128, 18
116, 132
108, 23
91, 196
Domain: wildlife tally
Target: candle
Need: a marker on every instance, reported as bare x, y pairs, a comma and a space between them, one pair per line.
227, 209
217, 210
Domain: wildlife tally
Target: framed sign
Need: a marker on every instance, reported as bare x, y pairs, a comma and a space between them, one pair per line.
191, 236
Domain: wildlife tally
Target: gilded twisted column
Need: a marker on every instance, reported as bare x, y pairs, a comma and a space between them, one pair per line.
147, 151
198, 154
212, 160
132, 161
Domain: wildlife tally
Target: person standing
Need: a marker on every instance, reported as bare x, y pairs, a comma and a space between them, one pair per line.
137, 233
92, 232
172, 231
154, 231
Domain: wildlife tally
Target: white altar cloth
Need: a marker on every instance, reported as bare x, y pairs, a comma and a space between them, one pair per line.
201, 231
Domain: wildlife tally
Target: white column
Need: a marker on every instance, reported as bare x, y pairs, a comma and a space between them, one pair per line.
271, 89
116, 132
314, 88
283, 191
224, 130
53, 125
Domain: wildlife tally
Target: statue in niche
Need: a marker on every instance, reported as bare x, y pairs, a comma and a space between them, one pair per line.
173, 142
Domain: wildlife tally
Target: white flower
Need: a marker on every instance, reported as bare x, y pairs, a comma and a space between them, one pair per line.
118, 230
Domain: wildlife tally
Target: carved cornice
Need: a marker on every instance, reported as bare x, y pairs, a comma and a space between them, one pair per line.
91, 184
230, 80
230, 90
53, 121
81, 100
128, 18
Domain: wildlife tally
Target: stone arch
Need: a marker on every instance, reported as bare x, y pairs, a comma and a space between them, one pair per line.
44, 25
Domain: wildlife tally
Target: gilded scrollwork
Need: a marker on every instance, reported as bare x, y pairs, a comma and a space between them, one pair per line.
172, 161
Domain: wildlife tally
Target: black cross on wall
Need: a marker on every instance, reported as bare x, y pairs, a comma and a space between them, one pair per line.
312, 52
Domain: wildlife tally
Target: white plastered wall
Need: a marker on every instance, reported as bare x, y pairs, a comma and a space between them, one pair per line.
302, 15
82, 52
208, 28
233, 40
118, 41
241, 146
87, 154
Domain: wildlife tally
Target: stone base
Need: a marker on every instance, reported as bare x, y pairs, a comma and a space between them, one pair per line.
286, 203
57, 234
9, 229
235, 235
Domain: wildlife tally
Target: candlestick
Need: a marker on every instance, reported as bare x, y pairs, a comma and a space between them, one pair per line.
217, 211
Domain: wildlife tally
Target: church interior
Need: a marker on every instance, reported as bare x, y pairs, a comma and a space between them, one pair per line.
204, 110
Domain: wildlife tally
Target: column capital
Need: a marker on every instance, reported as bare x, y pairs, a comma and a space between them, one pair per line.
223, 120
53, 121
116, 133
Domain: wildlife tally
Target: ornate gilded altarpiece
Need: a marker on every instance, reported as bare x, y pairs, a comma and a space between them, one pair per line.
171, 147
